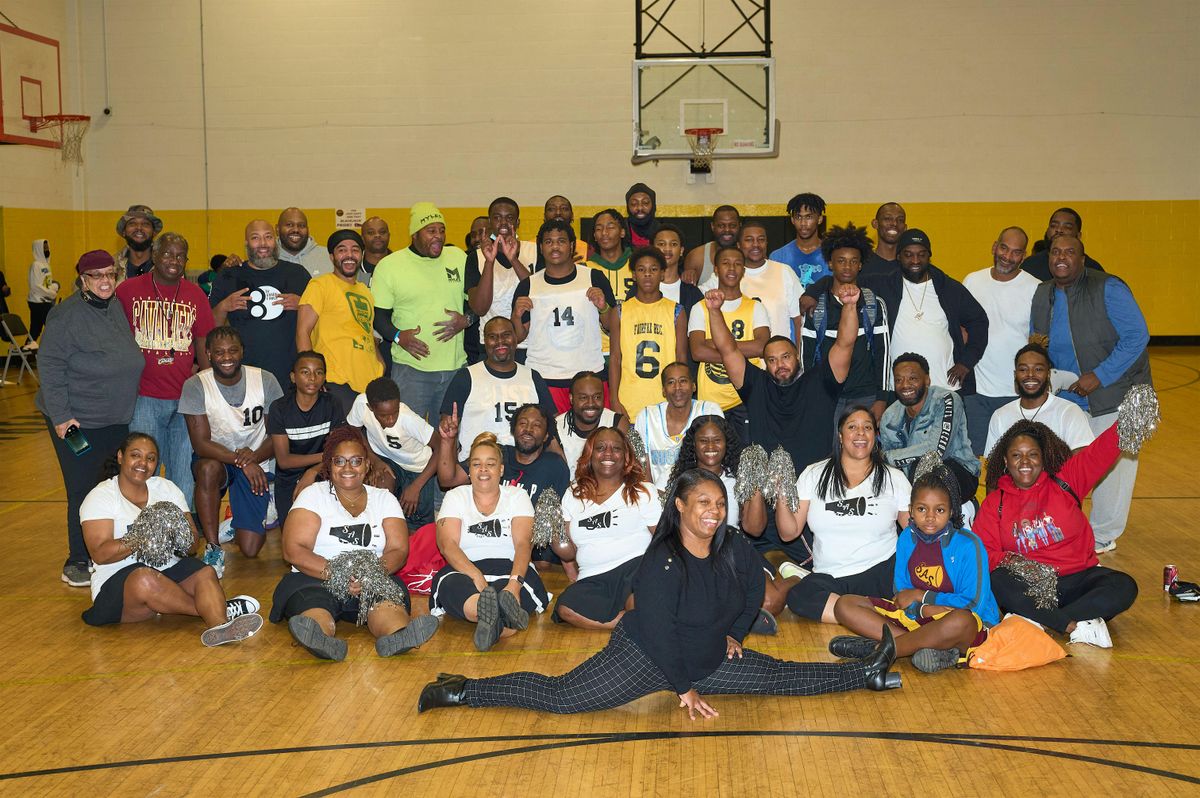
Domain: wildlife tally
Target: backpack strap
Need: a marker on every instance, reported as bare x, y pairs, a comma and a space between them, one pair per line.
820, 318
1062, 483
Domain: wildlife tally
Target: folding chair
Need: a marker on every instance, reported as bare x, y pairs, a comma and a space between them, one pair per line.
12, 327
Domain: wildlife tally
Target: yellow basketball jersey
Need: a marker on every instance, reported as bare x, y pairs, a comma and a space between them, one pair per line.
621, 282
647, 345
714, 384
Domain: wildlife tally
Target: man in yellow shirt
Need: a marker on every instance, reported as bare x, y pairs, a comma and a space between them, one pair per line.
335, 319
747, 322
653, 333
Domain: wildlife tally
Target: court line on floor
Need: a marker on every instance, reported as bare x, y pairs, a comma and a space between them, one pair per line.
996, 741
41, 495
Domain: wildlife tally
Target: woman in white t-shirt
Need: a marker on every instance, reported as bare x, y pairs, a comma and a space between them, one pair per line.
339, 515
855, 504
610, 513
125, 590
712, 443
485, 532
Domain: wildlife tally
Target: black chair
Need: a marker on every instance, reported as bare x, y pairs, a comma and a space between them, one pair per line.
12, 327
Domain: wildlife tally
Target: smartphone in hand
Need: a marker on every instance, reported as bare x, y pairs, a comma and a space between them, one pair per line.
76, 441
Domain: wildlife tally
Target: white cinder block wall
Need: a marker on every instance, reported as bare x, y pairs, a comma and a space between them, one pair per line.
376, 102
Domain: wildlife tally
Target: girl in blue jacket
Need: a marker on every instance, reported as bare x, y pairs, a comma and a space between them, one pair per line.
943, 603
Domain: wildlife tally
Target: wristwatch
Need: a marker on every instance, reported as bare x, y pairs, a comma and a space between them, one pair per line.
520, 579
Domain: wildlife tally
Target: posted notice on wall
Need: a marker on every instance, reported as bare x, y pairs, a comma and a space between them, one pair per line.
349, 218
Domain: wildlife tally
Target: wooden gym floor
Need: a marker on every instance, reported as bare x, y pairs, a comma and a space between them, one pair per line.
146, 710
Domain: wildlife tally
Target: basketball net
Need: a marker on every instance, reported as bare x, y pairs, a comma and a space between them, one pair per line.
703, 140
71, 130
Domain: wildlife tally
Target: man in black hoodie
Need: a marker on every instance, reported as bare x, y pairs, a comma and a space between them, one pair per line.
641, 205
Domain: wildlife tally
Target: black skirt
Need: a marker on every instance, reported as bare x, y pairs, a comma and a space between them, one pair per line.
109, 603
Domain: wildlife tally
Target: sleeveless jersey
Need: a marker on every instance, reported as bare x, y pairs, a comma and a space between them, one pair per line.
492, 402
572, 443
662, 448
713, 384
647, 344
621, 281
564, 327
244, 426
504, 283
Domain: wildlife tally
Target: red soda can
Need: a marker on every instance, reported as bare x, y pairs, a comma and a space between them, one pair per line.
1170, 576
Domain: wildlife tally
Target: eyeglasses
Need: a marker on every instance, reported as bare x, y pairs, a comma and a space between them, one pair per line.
109, 275
353, 462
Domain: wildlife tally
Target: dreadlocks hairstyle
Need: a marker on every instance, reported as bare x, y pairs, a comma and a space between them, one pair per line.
617, 217
687, 449
848, 237
1041, 350
586, 487
806, 200
336, 437
940, 477
535, 407
833, 483
1055, 451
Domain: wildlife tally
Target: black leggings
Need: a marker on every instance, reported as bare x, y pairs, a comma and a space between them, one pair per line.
1095, 592
622, 672
37, 317
80, 474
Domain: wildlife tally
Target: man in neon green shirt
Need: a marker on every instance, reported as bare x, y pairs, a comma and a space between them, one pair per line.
419, 294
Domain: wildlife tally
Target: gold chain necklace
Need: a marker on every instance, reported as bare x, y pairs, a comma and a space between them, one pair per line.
350, 504
920, 314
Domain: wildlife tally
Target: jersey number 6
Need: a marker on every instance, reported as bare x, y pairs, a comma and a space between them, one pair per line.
646, 366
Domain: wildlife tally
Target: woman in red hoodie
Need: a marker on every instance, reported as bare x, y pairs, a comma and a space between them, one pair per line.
1035, 488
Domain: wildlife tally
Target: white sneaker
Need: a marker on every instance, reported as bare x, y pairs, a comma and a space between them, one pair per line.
789, 569
1105, 548
1093, 633
240, 605
1023, 618
225, 531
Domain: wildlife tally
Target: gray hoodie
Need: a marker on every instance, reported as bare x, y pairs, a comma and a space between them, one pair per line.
42, 286
314, 257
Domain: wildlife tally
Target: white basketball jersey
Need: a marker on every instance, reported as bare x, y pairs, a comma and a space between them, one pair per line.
492, 402
564, 327
504, 284
572, 443
244, 426
662, 448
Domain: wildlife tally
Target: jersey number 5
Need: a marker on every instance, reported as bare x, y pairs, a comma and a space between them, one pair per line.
646, 366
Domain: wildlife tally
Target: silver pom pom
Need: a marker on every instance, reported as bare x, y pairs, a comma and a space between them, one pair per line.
158, 534
636, 444
548, 525
1137, 418
781, 478
927, 463
751, 474
377, 585
1041, 579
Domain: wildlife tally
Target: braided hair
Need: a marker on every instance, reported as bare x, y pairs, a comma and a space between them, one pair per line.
932, 474
336, 437
1055, 451
687, 450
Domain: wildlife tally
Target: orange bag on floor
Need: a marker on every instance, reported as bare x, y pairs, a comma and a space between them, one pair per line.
1015, 644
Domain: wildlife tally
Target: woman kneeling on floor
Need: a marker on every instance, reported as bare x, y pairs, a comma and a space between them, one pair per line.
852, 503
698, 589
1033, 510
485, 532
610, 514
339, 515
943, 603
712, 443
125, 590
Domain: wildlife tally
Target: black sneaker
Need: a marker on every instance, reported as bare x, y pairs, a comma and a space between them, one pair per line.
488, 626
240, 605
932, 660
764, 624
312, 637
514, 615
851, 646
418, 631
77, 574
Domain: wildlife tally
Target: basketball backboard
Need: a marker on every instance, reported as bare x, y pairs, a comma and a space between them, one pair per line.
29, 86
672, 95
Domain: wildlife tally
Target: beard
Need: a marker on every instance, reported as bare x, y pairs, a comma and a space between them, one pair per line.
139, 246
916, 400
268, 262
1038, 394
527, 450
786, 382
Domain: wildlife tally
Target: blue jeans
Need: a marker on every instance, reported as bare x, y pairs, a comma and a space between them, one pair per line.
422, 391
158, 417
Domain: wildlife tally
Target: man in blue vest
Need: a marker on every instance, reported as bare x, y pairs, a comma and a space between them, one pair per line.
1096, 330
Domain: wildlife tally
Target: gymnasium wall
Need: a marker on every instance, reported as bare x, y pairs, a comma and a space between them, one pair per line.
974, 115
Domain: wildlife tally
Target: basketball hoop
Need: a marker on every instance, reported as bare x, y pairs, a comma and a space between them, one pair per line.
703, 140
71, 130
